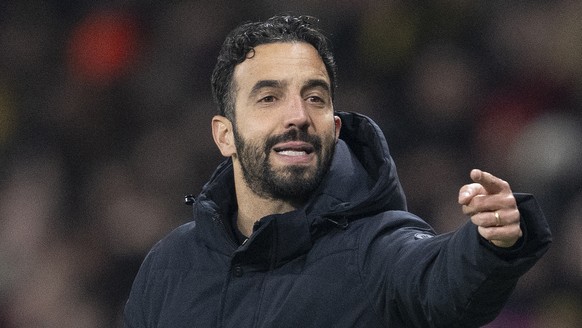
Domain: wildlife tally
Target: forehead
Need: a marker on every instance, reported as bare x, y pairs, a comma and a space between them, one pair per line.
285, 61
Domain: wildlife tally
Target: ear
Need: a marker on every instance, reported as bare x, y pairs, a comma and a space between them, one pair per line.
338, 126
223, 135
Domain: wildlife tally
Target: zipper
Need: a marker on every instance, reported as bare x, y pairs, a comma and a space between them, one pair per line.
218, 222
216, 219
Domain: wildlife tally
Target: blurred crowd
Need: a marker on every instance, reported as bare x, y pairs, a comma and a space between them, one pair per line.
105, 111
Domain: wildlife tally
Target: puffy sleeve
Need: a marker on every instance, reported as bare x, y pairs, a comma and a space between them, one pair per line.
417, 279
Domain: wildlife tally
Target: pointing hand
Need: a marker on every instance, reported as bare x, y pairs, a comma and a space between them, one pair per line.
491, 205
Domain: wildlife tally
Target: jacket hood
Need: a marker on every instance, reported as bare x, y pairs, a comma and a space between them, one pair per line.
362, 180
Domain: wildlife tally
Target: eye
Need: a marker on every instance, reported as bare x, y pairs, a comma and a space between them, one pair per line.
315, 99
267, 99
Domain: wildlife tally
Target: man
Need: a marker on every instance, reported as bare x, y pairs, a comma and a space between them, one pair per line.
305, 223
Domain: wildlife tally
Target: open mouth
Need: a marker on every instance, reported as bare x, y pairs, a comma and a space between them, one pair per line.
294, 149
292, 152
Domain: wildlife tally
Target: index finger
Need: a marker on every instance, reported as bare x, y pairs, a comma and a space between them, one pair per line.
491, 183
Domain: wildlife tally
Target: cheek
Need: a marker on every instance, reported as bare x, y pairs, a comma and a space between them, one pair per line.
250, 146
251, 126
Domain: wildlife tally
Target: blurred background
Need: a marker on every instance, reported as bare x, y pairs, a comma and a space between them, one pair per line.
105, 111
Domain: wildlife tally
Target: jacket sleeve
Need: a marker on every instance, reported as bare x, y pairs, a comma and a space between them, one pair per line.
134, 315
451, 280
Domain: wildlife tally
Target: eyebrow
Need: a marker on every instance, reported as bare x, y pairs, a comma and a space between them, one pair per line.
310, 84
316, 83
265, 84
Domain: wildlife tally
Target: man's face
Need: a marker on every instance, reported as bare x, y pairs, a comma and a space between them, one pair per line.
284, 131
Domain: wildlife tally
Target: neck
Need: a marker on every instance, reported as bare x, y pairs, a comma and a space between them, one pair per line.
252, 207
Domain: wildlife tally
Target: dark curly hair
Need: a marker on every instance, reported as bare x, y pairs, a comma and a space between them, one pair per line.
244, 38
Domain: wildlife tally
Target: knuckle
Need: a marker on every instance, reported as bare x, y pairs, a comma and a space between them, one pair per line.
510, 232
486, 233
509, 201
516, 231
476, 220
515, 216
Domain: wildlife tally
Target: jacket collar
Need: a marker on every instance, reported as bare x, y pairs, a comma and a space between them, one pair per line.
362, 181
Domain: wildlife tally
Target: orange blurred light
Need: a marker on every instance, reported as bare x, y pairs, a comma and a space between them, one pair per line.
103, 46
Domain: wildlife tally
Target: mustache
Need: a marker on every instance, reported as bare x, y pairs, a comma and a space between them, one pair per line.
293, 135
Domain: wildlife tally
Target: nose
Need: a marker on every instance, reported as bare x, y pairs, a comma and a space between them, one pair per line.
296, 114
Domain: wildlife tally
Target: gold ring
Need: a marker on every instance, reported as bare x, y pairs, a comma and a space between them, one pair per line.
497, 219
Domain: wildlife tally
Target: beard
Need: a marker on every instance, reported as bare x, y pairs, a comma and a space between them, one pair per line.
293, 183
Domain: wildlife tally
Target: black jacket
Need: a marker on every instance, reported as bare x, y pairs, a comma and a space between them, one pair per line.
352, 257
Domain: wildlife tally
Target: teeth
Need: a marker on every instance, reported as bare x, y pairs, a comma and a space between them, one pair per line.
292, 153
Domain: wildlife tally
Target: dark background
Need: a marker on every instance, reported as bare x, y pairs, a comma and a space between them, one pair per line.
105, 112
